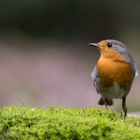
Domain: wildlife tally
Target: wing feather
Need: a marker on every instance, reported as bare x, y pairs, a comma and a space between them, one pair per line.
95, 76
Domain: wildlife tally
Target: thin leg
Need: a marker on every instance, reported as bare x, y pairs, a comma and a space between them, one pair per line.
124, 106
106, 104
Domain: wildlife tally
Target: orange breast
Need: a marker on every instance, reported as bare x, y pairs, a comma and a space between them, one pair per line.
111, 71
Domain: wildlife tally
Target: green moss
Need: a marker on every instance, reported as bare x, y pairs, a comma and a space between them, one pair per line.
25, 123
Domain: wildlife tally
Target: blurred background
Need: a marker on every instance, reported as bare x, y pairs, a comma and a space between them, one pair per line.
45, 59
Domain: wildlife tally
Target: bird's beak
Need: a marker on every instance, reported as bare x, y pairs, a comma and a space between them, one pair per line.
94, 44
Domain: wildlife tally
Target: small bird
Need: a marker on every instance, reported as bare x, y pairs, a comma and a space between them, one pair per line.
114, 72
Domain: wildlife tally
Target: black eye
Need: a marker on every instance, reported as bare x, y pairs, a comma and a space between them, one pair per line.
109, 45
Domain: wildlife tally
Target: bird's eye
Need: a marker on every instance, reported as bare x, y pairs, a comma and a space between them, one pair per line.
109, 45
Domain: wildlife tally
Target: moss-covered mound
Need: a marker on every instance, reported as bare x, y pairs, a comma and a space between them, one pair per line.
25, 123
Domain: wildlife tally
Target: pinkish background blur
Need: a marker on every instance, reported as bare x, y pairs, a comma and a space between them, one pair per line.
45, 59
54, 73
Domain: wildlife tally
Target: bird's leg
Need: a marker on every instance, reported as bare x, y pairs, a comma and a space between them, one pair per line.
124, 106
106, 104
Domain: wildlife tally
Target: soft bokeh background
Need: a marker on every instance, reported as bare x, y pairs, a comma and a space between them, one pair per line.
45, 59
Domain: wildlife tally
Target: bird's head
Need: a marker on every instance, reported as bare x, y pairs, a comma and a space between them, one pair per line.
110, 48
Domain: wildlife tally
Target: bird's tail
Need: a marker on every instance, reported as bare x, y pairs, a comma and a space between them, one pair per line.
107, 101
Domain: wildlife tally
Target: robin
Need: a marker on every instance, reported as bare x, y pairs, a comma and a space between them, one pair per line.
114, 72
